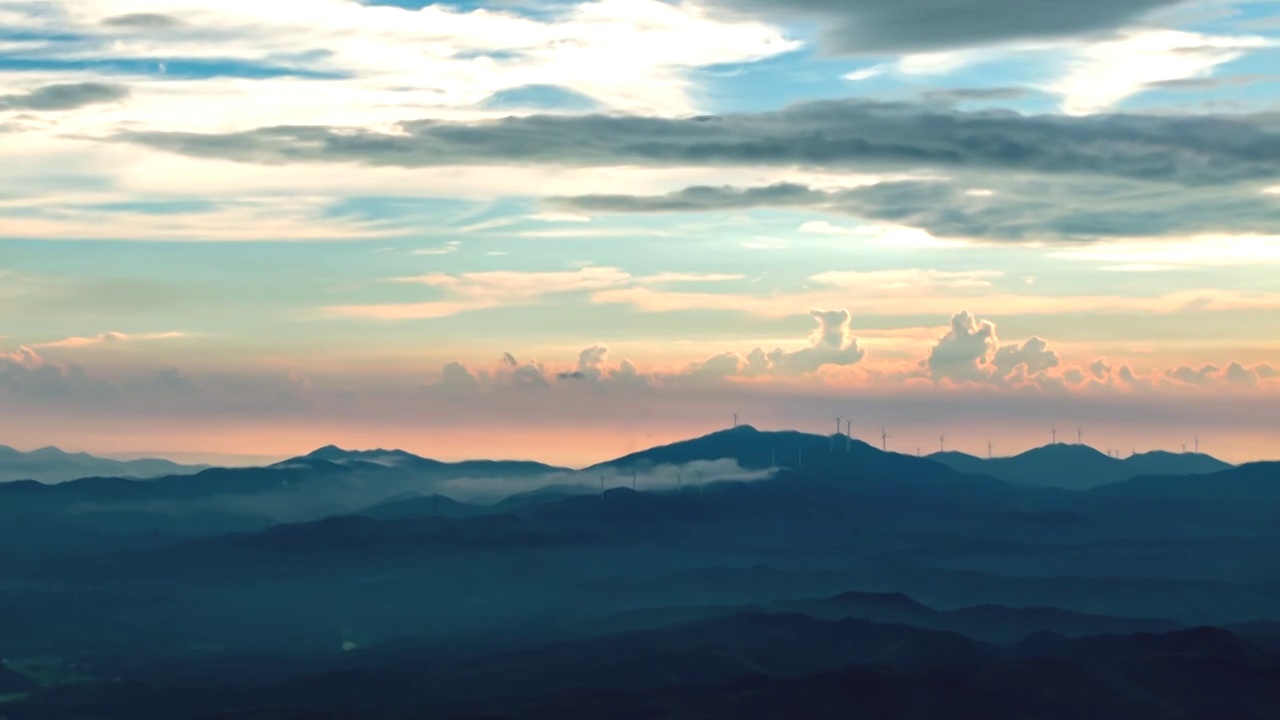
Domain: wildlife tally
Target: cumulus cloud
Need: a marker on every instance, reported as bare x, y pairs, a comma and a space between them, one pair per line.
64, 96
455, 376
26, 376
1033, 355
964, 352
831, 343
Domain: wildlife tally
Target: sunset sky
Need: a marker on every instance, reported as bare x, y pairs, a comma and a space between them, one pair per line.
566, 230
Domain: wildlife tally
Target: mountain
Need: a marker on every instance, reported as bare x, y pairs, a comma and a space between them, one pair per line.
408, 461
992, 623
988, 623
1078, 467
51, 465
1246, 487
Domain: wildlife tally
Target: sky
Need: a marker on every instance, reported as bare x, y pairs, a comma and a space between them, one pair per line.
565, 230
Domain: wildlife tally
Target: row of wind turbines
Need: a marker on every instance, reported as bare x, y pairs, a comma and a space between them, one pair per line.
885, 437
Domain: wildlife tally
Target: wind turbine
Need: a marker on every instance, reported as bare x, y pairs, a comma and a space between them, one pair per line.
1079, 436
942, 443
1054, 432
989, 447
884, 440
633, 478
1197, 444
735, 419
838, 419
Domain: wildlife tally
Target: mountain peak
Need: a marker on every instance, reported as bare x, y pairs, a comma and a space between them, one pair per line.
329, 452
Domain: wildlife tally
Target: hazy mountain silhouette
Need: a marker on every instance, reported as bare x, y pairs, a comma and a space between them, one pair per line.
51, 465
406, 460
1078, 467
989, 623
1252, 489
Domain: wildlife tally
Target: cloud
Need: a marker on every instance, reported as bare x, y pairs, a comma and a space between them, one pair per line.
875, 27
971, 352
831, 343
64, 96
1033, 356
963, 353
1104, 73
849, 134
110, 338
456, 377
143, 21
26, 376
1011, 209
469, 292
379, 60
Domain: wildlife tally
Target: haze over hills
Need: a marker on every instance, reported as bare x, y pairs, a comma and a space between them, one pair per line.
51, 465
788, 561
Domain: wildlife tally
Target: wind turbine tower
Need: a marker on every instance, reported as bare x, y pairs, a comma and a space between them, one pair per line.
1079, 436
735, 419
884, 440
989, 449
942, 443
1054, 433
1197, 444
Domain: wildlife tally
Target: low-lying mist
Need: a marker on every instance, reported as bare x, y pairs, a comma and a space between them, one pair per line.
355, 492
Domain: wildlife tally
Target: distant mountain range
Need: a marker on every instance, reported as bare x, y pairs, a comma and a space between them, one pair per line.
51, 465
1079, 467
1059, 465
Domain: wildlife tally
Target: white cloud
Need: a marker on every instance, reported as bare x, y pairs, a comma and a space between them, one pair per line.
400, 60
1101, 74
1199, 251
109, 338
865, 73
910, 280
446, 249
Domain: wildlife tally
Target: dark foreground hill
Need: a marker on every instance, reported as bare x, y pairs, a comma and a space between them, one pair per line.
748, 665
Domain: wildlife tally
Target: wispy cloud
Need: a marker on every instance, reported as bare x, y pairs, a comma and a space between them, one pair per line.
109, 338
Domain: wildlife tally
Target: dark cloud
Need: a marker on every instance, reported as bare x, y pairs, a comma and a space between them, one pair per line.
1015, 208
850, 134
954, 95
143, 21
872, 27
66, 96
1205, 84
